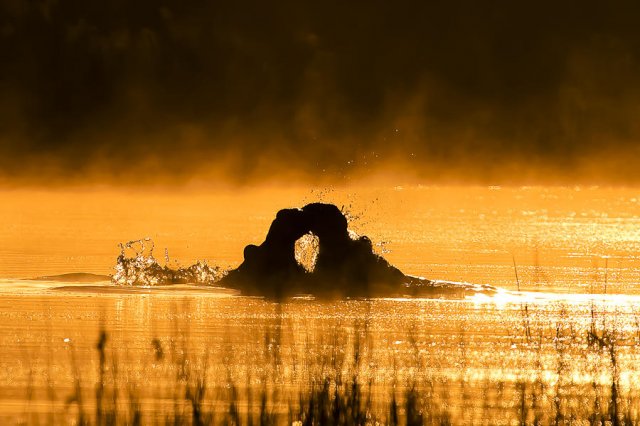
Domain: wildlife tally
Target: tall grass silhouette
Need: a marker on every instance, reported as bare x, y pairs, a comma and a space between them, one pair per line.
342, 385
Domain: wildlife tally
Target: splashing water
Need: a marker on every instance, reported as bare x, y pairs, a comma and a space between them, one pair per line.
306, 251
140, 268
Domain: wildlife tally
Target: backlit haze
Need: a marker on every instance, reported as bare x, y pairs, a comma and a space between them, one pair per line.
474, 142
226, 93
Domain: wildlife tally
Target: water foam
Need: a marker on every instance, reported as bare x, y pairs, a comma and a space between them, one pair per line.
136, 266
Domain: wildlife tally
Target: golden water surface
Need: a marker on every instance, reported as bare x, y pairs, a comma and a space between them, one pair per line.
564, 346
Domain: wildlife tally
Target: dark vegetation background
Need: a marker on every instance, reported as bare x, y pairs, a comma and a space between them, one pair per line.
152, 91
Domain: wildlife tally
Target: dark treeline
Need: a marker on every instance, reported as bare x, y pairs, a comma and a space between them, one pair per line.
184, 86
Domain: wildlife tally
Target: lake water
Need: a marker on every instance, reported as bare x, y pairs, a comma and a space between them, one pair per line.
559, 342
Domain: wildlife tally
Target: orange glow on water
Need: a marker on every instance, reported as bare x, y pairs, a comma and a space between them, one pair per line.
572, 239
574, 251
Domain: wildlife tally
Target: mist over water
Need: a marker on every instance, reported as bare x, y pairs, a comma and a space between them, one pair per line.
129, 128
141, 94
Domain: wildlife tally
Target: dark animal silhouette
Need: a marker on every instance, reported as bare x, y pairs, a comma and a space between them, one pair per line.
344, 267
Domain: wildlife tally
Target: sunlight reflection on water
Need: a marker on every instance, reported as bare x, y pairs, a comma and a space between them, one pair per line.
563, 239
572, 335
454, 350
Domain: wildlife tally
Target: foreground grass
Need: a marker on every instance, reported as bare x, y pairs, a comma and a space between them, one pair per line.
344, 386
